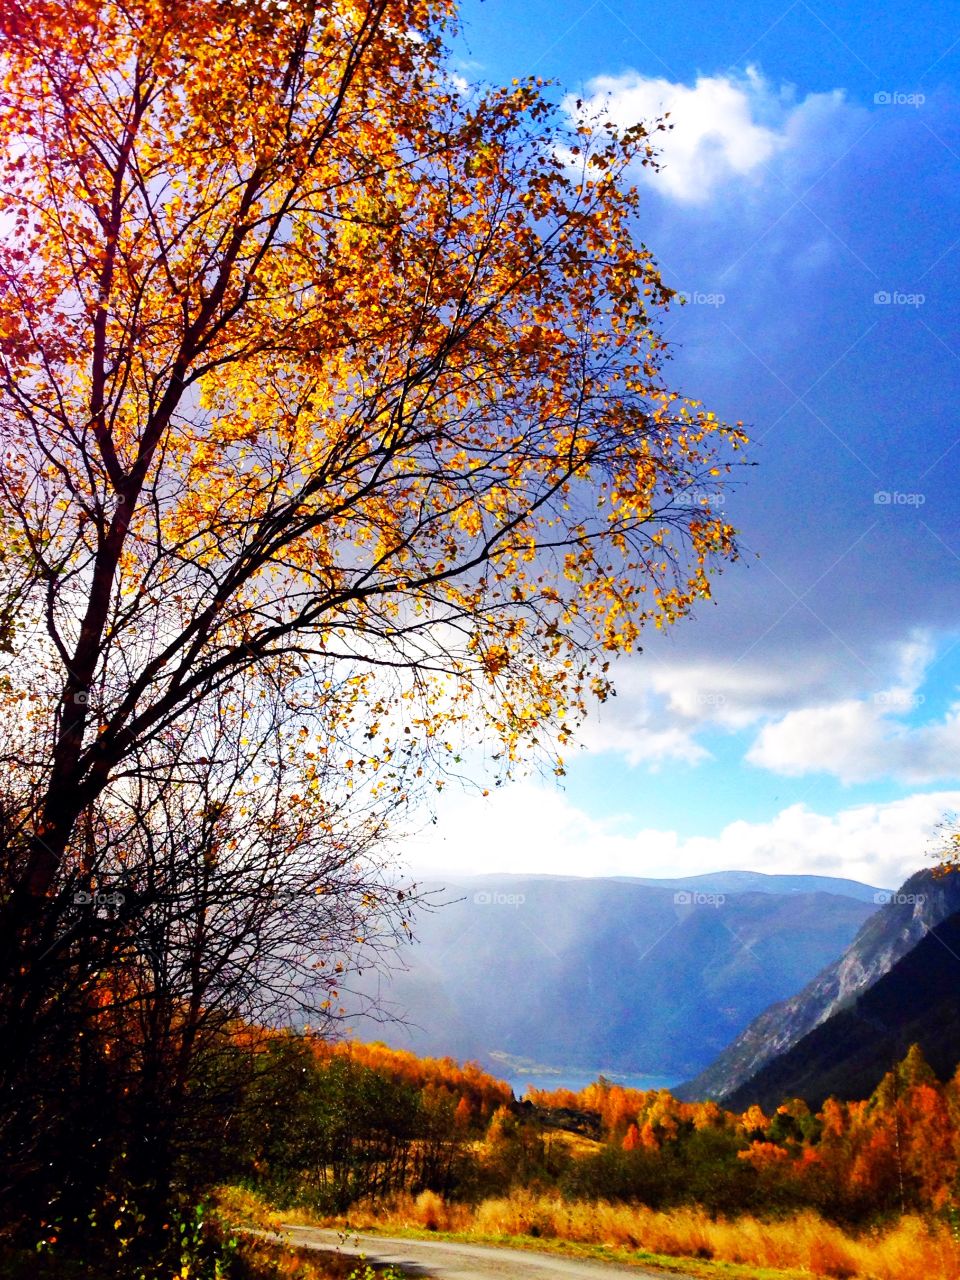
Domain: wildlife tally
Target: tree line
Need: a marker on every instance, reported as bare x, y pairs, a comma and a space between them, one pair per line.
854, 1162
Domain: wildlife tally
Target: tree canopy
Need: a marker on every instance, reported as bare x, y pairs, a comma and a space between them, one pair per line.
312, 362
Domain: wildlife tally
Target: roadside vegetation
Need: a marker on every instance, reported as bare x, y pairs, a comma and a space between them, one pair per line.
801, 1242
863, 1189
366, 1138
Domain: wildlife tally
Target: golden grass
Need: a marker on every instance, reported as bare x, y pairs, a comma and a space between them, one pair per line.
573, 1144
804, 1242
244, 1208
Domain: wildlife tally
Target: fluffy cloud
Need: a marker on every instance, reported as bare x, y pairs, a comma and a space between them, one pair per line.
808, 716
867, 739
633, 727
662, 705
860, 741
530, 828
734, 696
659, 710
725, 128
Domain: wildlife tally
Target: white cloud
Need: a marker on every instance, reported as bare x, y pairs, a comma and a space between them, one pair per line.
530, 828
913, 657
860, 741
640, 734
661, 706
726, 128
733, 696
868, 739
808, 716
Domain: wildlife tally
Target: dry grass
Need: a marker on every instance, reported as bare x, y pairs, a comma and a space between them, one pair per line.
804, 1243
264, 1259
573, 1144
245, 1208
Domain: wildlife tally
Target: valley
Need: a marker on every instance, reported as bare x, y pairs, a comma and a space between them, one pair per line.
623, 976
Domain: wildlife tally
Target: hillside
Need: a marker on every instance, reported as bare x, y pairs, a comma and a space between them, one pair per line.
920, 904
761, 882
601, 974
847, 1056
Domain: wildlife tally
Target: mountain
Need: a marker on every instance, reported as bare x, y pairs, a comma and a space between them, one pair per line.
920, 904
604, 974
848, 1055
761, 882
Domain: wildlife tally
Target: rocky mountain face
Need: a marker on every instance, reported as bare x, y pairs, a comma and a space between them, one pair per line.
605, 974
922, 902
847, 1055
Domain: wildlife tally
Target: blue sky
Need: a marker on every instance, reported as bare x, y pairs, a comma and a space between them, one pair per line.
808, 206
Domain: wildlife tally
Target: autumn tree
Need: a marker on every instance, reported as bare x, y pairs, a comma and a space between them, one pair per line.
463, 1116
311, 365
319, 373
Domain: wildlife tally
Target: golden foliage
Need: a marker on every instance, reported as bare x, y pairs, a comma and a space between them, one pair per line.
308, 360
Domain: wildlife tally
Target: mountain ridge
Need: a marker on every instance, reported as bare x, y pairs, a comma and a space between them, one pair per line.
709, 881
846, 1056
641, 979
923, 901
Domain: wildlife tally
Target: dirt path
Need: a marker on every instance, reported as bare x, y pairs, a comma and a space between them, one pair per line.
453, 1260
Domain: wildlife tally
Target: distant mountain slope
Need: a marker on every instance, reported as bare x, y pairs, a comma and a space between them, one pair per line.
847, 1056
920, 904
760, 882
601, 973
711, 882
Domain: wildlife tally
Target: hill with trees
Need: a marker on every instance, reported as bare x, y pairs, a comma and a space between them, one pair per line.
361, 1121
846, 1056
924, 901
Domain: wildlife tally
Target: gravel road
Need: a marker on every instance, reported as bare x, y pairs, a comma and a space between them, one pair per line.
451, 1260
